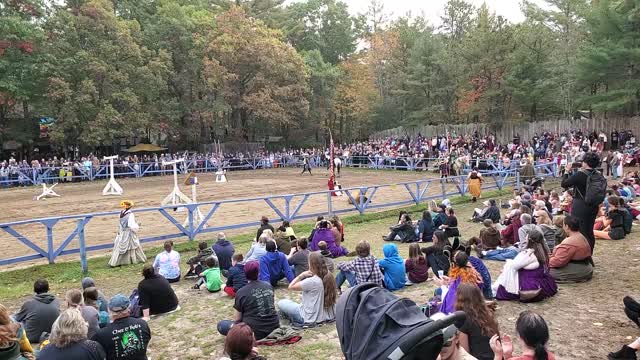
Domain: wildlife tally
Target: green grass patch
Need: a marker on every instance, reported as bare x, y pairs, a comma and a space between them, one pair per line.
18, 283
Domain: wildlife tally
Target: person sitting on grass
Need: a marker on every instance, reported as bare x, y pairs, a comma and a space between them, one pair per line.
452, 348
441, 216
328, 257
167, 263
461, 272
299, 257
392, 266
156, 295
437, 260
480, 323
254, 305
102, 302
13, 339
38, 314
362, 269
258, 249
319, 295
224, 250
426, 227
122, 331
571, 260
489, 237
481, 268
75, 300
264, 225
68, 340
196, 262
533, 333
92, 298
489, 212
404, 231
613, 222
287, 230
416, 266
526, 277
450, 226
283, 243
210, 279
236, 278
274, 266
240, 344
509, 234
324, 233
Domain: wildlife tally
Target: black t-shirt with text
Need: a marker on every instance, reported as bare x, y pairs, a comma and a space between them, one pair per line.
256, 303
125, 339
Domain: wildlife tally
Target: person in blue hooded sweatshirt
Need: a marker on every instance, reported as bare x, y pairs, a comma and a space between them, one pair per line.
393, 268
274, 266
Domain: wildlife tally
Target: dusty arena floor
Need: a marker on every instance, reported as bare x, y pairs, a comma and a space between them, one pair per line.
86, 198
586, 320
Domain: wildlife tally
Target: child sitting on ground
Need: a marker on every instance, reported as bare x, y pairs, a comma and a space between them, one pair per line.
196, 262
210, 279
392, 267
328, 257
236, 278
416, 266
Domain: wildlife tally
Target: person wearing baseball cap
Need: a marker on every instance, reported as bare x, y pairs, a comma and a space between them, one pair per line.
125, 338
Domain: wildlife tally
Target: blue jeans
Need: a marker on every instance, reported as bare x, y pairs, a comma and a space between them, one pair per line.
224, 326
501, 254
291, 311
346, 276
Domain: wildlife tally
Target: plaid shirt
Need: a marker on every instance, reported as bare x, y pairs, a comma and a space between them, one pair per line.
365, 268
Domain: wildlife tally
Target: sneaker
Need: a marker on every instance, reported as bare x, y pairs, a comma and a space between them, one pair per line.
626, 353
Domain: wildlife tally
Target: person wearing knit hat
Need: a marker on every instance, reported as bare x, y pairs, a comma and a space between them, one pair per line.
126, 247
254, 305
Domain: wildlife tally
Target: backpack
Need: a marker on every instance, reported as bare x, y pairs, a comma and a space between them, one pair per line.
596, 188
135, 307
103, 316
627, 220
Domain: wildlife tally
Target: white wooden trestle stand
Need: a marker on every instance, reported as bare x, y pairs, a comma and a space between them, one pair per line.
221, 176
176, 197
47, 191
112, 187
197, 214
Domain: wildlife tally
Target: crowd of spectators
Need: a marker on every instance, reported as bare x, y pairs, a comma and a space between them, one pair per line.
449, 153
545, 239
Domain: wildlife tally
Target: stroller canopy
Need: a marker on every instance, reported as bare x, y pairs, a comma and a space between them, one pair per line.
373, 323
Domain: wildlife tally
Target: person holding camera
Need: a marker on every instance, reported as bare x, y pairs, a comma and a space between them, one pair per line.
577, 178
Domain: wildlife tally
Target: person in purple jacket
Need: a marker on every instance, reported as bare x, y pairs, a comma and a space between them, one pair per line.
324, 233
274, 266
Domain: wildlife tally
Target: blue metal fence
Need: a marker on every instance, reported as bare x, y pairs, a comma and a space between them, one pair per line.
25, 176
417, 190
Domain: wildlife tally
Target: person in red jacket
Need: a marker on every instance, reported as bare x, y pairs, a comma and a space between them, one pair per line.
510, 233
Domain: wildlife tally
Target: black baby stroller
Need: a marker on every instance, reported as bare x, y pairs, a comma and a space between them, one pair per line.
374, 324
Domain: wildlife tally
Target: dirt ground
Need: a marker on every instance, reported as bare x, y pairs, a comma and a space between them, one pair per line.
86, 198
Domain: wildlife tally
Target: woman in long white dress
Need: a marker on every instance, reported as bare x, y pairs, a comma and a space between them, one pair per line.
126, 246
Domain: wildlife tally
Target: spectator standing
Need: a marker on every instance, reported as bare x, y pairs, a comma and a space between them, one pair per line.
580, 208
38, 313
125, 338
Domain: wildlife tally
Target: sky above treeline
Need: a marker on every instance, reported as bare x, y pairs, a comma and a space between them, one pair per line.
433, 9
